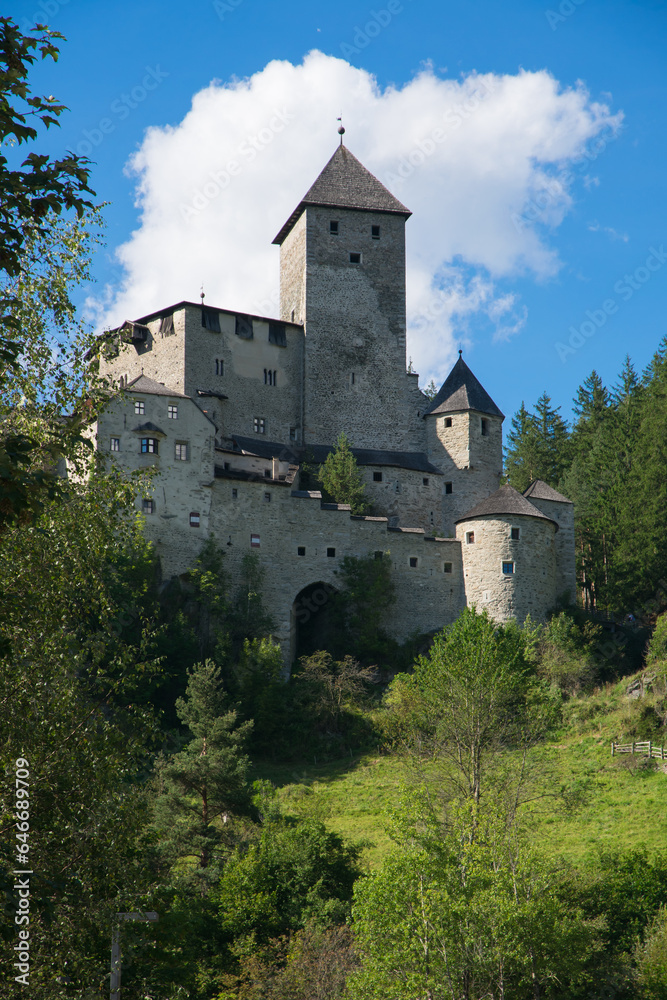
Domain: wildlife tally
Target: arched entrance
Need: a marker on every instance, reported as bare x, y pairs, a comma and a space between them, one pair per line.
312, 621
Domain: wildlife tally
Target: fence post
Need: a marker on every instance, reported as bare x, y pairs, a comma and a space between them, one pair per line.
612, 748
633, 747
649, 749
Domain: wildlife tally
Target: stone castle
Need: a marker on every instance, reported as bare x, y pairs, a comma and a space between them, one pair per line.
228, 406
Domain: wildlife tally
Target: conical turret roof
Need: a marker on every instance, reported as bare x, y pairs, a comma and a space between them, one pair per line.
346, 183
462, 391
505, 501
542, 491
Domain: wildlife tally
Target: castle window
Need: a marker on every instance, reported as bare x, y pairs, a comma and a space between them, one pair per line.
301, 550
148, 506
331, 553
139, 407
254, 541
210, 319
485, 427
425, 481
448, 421
352, 378
447, 568
226, 466
377, 477
277, 334
267, 473
181, 451
470, 537
508, 568
235, 494
243, 327
378, 555
333, 228
355, 258
259, 425
194, 519
172, 411
515, 534
219, 366
270, 377
413, 562
267, 498
375, 232
167, 325
149, 446
449, 488
293, 434
115, 444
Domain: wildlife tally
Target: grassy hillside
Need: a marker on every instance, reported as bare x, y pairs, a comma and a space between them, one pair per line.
614, 802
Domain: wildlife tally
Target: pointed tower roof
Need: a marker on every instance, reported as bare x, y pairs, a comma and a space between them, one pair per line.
462, 391
540, 490
505, 501
345, 183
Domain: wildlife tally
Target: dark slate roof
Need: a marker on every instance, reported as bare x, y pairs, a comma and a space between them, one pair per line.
462, 391
317, 453
346, 183
142, 383
506, 500
542, 491
149, 427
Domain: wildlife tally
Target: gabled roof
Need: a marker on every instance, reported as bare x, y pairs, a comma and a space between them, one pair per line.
542, 491
504, 501
462, 391
346, 183
142, 383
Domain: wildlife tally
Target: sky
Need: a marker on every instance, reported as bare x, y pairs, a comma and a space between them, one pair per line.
527, 138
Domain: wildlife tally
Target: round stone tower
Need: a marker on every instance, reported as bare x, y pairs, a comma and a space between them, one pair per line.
509, 557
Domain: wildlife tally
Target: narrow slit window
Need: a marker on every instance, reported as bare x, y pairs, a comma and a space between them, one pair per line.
485, 427
219, 366
235, 494
449, 488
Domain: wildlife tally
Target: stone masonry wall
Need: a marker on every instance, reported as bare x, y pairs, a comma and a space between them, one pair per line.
178, 488
161, 358
530, 589
427, 596
412, 497
355, 326
470, 461
563, 514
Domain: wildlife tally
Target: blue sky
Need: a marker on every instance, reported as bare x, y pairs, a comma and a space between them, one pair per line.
572, 280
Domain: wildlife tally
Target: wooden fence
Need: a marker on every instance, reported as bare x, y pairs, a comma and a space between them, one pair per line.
646, 748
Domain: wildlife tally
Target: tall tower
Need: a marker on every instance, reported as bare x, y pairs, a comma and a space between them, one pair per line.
465, 440
342, 274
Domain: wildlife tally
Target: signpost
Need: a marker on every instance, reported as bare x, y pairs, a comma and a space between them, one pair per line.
115, 947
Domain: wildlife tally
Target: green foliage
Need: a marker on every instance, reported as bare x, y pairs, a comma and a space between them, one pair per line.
463, 910
657, 650
204, 785
566, 653
360, 608
474, 694
431, 390
537, 446
34, 196
651, 959
341, 479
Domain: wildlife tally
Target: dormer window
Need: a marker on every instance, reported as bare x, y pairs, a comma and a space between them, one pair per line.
333, 228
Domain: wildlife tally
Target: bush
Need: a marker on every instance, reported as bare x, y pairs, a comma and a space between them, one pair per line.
566, 654
657, 647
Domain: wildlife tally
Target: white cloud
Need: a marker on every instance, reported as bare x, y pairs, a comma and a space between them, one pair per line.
467, 156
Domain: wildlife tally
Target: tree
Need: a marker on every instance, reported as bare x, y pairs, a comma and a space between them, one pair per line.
474, 694
431, 390
34, 196
204, 785
341, 479
361, 608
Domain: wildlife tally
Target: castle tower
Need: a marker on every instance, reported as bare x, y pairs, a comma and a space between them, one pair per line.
464, 440
509, 557
342, 274
560, 510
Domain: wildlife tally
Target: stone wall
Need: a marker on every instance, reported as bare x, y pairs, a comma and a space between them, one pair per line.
469, 460
566, 572
268, 519
178, 488
530, 589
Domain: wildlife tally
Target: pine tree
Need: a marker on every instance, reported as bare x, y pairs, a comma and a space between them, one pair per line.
521, 452
204, 785
341, 479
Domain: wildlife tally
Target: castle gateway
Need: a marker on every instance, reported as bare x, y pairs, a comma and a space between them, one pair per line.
226, 405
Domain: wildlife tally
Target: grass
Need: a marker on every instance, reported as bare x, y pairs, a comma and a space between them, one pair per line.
590, 799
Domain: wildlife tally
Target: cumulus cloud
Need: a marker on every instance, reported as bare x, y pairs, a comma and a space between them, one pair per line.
485, 163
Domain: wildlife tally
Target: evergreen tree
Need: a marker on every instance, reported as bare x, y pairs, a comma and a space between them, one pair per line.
204, 785
341, 479
521, 453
